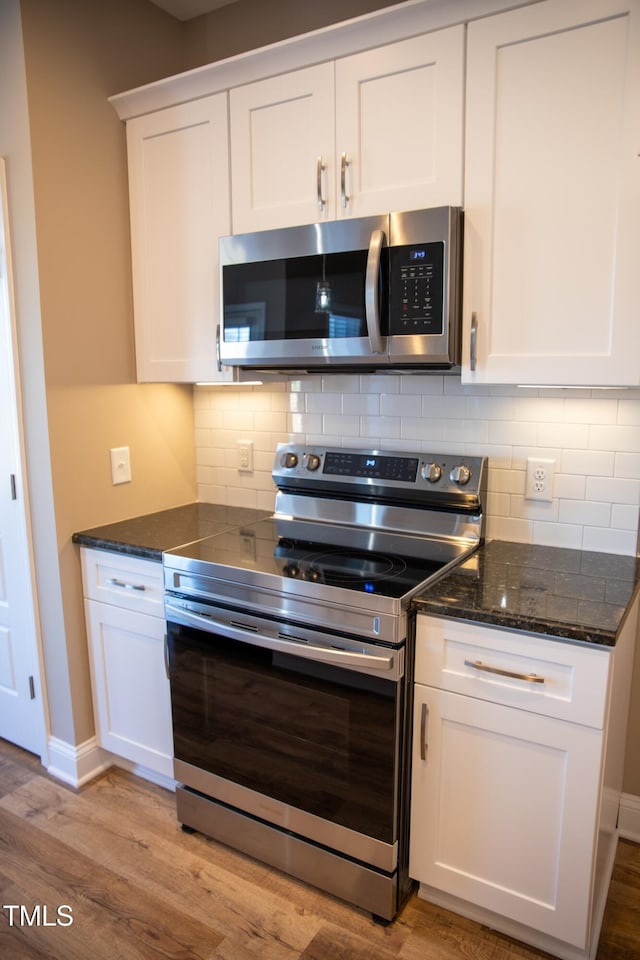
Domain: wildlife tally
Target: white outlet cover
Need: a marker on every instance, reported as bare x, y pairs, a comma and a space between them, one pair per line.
539, 479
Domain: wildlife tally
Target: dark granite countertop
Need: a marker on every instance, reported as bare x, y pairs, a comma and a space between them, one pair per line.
150, 535
569, 594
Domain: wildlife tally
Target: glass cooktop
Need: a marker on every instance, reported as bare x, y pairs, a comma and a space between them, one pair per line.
260, 549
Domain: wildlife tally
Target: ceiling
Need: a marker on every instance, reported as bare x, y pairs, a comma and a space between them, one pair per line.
187, 9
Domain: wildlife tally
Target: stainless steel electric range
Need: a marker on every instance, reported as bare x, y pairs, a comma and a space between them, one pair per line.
290, 656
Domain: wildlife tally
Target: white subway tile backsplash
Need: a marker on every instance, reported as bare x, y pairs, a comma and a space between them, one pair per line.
627, 465
361, 404
588, 462
610, 541
593, 436
617, 438
567, 435
559, 535
569, 487
324, 403
585, 512
613, 490
398, 405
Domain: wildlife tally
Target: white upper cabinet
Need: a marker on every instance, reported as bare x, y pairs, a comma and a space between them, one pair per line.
373, 132
179, 201
552, 195
399, 125
282, 133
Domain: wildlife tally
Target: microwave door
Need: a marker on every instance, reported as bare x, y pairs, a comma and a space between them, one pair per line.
304, 297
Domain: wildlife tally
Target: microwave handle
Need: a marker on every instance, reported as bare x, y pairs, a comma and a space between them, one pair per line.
371, 300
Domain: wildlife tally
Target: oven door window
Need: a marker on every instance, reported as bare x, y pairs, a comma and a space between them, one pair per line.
320, 738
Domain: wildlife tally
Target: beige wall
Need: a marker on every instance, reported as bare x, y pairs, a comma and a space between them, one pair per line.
248, 24
77, 53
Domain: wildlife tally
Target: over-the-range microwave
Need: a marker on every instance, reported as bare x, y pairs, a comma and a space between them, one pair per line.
371, 293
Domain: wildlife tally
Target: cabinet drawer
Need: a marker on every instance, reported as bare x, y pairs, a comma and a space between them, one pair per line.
123, 581
532, 673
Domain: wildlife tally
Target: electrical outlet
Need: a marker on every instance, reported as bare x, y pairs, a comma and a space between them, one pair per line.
120, 465
539, 482
245, 456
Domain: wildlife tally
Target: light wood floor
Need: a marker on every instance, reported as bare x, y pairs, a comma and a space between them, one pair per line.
141, 889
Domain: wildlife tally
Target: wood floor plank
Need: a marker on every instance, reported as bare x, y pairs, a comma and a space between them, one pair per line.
141, 889
177, 866
111, 916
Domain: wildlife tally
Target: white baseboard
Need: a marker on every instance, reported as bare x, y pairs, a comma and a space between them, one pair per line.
160, 779
629, 817
76, 765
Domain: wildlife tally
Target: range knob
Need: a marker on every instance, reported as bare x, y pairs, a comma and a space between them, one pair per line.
431, 472
460, 475
289, 460
313, 461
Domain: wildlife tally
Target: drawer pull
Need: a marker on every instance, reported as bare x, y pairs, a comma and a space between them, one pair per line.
423, 731
528, 677
114, 582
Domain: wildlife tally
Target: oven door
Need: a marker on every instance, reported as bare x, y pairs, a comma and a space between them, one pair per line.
304, 296
298, 728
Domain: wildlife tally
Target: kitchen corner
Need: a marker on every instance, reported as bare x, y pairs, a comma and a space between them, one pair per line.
504, 686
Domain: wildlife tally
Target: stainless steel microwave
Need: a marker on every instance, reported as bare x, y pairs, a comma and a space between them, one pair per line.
377, 292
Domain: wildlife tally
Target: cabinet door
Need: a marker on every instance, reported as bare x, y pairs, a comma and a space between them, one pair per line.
399, 125
282, 150
504, 809
179, 200
552, 193
130, 685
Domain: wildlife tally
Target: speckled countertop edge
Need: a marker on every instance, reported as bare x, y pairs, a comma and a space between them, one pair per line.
565, 594
572, 595
150, 535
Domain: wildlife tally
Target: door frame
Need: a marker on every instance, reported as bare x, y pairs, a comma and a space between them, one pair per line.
38, 739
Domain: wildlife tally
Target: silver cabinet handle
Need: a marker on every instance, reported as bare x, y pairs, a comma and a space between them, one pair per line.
344, 163
320, 169
473, 345
166, 655
218, 362
371, 302
424, 746
114, 582
528, 677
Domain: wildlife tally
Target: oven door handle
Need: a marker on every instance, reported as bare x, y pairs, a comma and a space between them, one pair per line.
349, 659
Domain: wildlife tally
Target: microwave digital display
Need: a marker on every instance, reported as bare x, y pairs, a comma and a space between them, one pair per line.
416, 289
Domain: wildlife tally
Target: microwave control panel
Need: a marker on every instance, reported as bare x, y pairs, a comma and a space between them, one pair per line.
416, 295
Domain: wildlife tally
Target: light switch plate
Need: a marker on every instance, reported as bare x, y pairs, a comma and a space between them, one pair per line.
120, 465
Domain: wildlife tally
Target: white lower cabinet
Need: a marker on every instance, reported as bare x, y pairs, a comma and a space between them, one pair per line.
126, 653
511, 820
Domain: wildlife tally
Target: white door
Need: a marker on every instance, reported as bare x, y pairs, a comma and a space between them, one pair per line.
282, 150
21, 702
552, 193
504, 810
399, 125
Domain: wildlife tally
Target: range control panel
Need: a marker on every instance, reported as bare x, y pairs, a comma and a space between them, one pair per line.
390, 473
